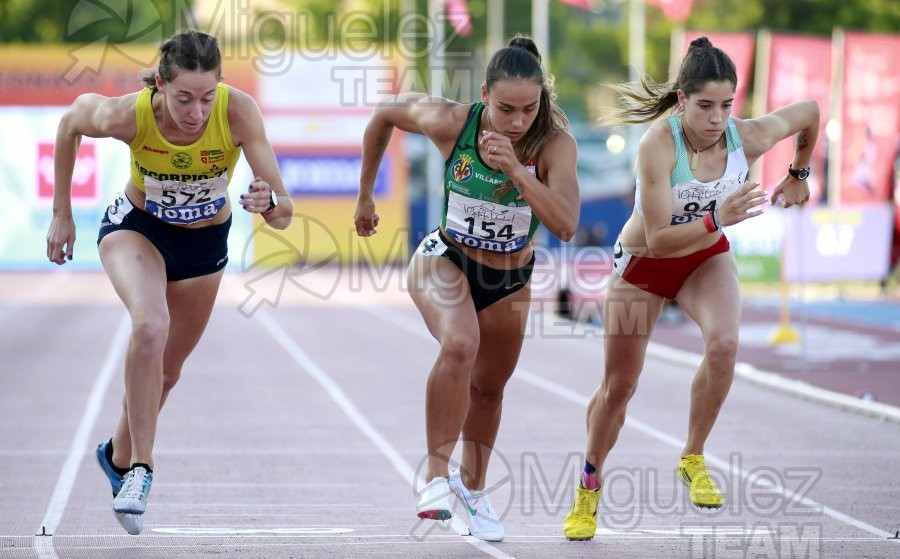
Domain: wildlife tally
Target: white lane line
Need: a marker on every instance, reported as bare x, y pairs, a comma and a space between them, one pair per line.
298, 531
745, 371
786, 385
251, 485
359, 419
289, 532
677, 443
43, 545
568, 394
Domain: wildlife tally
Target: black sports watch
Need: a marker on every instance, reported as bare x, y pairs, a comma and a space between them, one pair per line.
273, 202
799, 174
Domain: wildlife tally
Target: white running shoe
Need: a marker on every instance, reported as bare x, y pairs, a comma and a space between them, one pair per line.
484, 523
133, 523
131, 502
434, 501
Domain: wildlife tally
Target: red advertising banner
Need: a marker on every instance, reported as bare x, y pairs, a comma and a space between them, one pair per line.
675, 10
799, 68
870, 118
738, 46
84, 175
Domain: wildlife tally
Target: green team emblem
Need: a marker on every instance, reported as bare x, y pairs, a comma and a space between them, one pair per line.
181, 160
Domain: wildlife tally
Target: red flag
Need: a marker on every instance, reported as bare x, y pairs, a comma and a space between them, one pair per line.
799, 67
869, 117
458, 14
676, 10
583, 4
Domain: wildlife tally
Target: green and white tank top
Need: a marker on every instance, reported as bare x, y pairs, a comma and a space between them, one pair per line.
691, 198
471, 214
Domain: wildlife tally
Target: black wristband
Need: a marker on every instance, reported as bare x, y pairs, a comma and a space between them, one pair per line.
273, 202
799, 174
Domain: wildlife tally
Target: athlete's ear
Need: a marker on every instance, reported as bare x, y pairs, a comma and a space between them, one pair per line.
159, 82
681, 97
484, 94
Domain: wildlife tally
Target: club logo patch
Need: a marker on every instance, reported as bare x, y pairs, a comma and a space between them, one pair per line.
181, 160
462, 168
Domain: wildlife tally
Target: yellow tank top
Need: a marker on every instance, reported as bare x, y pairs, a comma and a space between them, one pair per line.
183, 184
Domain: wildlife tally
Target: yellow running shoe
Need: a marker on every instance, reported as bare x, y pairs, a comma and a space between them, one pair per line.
581, 522
704, 493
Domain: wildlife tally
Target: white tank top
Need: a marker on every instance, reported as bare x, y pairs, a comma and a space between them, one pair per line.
692, 199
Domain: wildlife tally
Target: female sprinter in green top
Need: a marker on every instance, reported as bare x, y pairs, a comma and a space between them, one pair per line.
510, 165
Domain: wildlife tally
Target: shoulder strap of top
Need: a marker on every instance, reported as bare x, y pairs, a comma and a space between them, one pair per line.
467, 130
682, 172
143, 110
222, 96
732, 138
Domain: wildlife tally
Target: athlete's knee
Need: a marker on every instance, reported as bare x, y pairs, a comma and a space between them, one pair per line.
721, 351
149, 333
620, 379
170, 379
459, 349
486, 394
617, 391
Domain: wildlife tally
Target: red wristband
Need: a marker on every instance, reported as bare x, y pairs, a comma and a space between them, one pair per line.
709, 223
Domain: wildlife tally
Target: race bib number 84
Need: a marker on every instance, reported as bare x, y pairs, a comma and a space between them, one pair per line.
185, 202
693, 200
488, 226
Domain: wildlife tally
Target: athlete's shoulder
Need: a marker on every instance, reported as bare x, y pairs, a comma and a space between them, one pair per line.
560, 142
656, 153
660, 128
658, 137
95, 102
97, 115
460, 112
562, 136
744, 126
239, 101
446, 120
244, 117
754, 134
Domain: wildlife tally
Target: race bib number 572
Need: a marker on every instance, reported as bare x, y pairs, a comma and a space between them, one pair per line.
185, 202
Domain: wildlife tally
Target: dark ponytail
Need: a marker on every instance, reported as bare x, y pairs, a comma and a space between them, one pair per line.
648, 100
520, 59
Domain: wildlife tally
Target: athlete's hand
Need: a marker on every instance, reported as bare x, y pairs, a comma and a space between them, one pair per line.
790, 191
497, 150
61, 239
365, 218
257, 198
739, 206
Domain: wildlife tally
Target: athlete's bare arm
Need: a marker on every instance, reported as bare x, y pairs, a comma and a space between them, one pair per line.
556, 200
760, 134
248, 131
94, 116
439, 119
